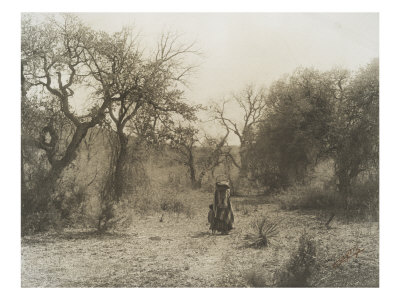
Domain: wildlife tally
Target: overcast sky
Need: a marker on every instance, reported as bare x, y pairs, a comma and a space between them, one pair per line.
257, 47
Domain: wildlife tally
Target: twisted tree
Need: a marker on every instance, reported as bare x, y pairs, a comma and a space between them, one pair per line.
56, 62
146, 90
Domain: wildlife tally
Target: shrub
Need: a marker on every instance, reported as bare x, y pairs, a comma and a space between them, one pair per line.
265, 230
173, 206
364, 200
47, 205
172, 200
143, 200
362, 203
300, 265
39, 221
307, 197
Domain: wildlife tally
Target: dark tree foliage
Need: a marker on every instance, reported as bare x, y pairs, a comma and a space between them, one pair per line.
319, 115
293, 135
355, 134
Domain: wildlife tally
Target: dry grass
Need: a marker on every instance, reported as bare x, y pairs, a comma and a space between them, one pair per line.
363, 202
181, 252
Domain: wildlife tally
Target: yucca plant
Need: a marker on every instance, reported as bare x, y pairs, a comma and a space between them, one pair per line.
265, 231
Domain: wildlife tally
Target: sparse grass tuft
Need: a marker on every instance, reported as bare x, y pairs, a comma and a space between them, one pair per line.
265, 230
255, 278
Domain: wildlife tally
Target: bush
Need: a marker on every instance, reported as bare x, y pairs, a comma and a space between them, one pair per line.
265, 231
172, 205
50, 205
39, 221
300, 266
143, 200
362, 202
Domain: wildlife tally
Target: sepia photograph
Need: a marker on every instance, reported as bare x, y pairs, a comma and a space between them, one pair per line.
199, 150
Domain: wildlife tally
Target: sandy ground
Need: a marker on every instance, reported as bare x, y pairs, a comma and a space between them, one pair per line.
181, 252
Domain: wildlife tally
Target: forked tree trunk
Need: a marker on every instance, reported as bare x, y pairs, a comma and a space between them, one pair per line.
47, 187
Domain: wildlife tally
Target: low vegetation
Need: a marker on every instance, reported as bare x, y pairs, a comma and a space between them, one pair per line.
181, 252
301, 265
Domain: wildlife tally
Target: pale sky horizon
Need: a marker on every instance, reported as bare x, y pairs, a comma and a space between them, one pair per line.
258, 48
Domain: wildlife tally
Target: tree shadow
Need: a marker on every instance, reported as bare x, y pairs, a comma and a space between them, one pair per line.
201, 234
72, 236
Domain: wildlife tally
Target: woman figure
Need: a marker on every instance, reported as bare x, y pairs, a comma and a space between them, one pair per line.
222, 208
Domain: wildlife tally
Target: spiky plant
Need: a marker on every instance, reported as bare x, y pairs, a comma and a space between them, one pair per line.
265, 231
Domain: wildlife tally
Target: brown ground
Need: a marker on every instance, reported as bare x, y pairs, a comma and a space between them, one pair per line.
180, 252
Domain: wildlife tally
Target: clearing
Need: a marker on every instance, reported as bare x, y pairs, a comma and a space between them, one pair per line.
181, 252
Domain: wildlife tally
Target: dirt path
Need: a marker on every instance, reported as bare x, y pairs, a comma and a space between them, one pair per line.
180, 252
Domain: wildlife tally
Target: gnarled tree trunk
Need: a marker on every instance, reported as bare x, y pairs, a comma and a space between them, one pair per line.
120, 164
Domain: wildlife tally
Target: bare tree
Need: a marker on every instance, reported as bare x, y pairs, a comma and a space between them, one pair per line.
214, 154
199, 158
252, 104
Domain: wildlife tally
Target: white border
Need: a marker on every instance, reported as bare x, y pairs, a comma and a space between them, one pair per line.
10, 137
